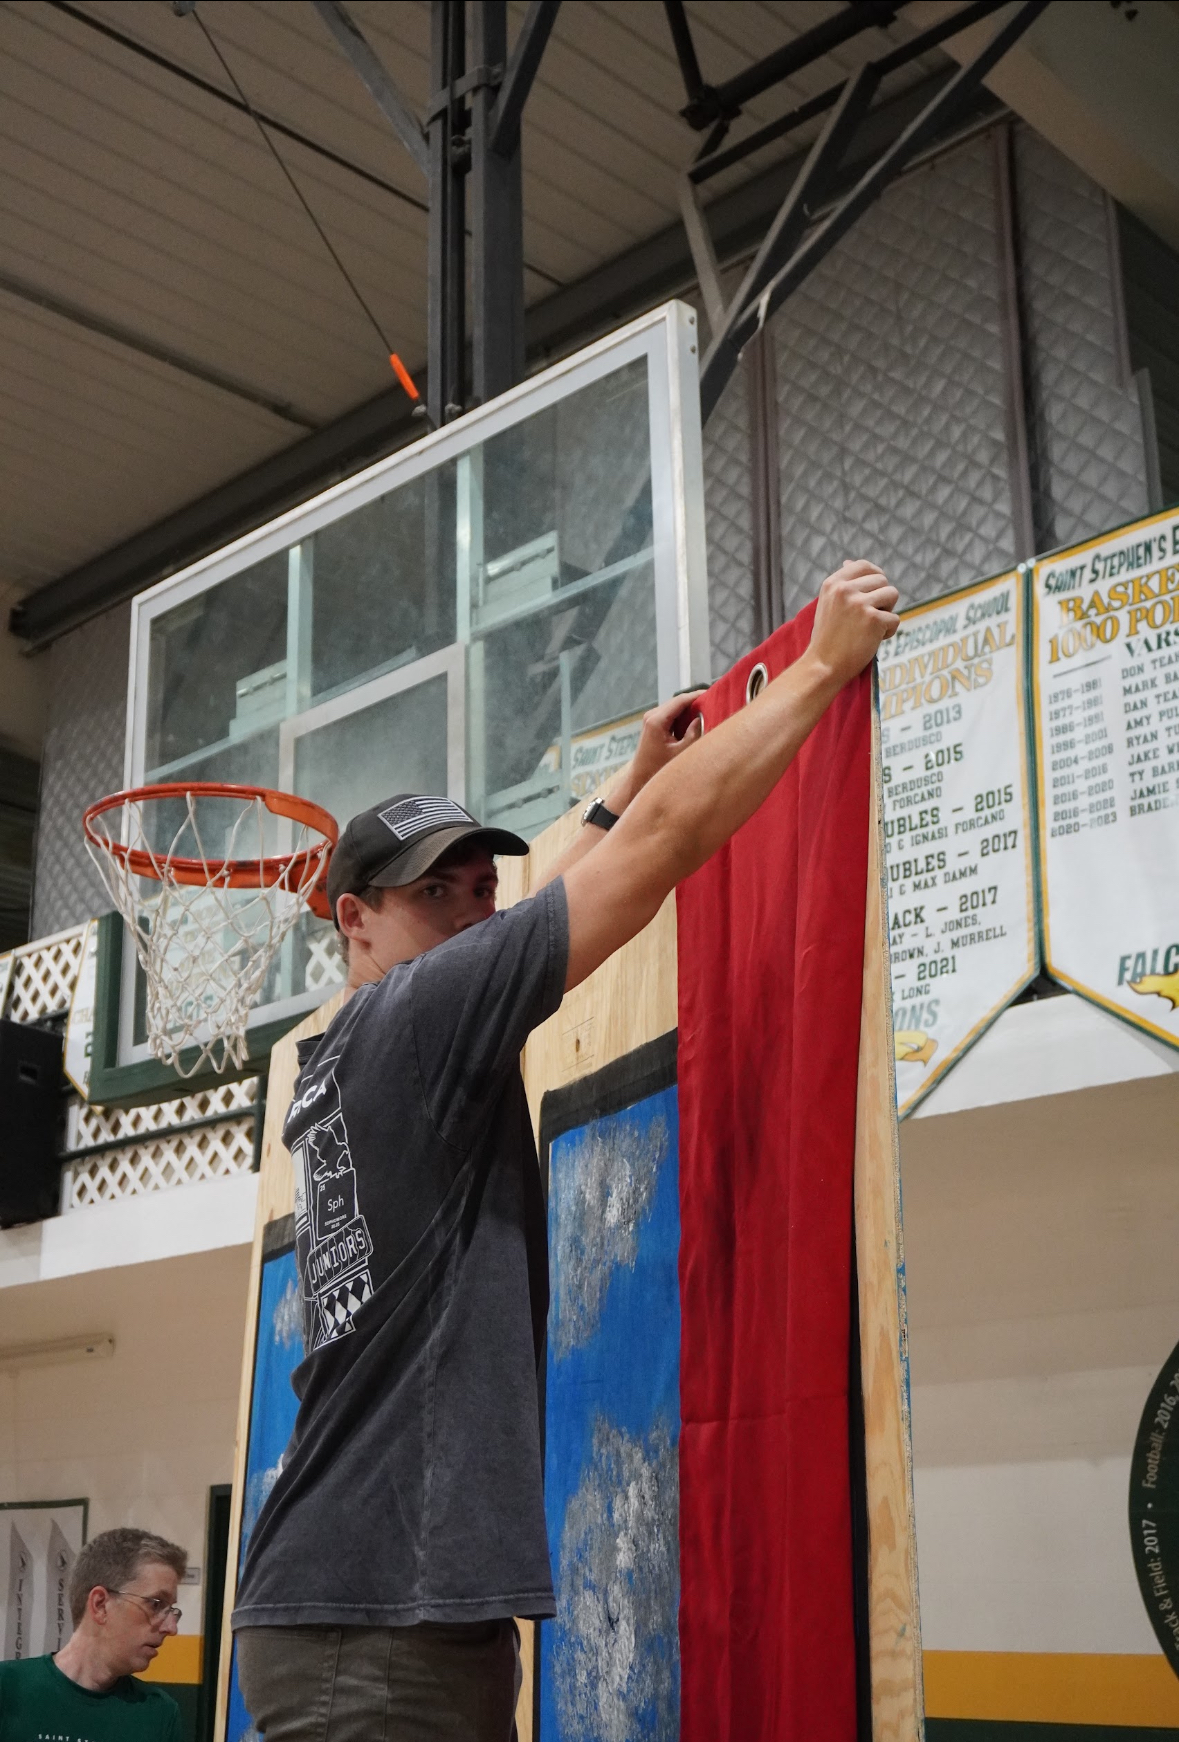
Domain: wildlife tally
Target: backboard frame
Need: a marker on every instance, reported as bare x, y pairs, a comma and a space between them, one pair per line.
667, 339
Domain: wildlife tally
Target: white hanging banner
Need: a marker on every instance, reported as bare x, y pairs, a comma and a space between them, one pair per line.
79, 1033
1106, 680
39, 1543
957, 824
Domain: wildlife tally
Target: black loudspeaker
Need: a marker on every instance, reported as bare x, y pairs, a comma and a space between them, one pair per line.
30, 1108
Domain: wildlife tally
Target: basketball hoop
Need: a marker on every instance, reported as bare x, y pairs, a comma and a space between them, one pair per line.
207, 939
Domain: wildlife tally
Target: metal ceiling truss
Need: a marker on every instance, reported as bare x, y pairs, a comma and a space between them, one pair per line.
471, 131
819, 209
470, 135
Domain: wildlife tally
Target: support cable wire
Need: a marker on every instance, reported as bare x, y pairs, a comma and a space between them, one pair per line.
294, 186
271, 121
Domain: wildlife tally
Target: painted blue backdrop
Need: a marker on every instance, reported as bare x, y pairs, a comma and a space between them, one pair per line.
273, 1407
609, 1662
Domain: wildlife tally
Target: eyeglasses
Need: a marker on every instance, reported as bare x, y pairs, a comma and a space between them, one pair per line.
156, 1607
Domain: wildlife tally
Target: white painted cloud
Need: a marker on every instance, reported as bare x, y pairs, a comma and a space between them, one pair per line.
616, 1652
601, 1192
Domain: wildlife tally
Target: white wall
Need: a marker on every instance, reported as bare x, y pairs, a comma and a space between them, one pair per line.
1040, 1245
130, 1231
145, 1434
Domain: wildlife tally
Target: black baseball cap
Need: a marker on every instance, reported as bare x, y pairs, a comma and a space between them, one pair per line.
401, 838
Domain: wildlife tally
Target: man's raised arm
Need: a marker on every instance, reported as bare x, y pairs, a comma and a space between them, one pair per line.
691, 807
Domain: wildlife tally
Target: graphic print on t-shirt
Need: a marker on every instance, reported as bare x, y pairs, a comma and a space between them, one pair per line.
332, 1241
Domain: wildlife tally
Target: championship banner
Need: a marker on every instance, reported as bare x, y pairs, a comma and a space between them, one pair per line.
958, 838
1105, 670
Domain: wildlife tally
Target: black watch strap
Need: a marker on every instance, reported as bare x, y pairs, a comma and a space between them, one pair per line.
599, 815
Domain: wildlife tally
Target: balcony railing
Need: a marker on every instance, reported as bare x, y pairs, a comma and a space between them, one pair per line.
112, 1153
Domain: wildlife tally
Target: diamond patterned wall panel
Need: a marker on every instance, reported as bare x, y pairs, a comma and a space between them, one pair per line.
83, 760
159, 1162
37, 980
1088, 469
90, 1126
729, 513
891, 393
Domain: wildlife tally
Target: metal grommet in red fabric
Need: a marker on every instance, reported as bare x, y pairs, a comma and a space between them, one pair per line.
759, 677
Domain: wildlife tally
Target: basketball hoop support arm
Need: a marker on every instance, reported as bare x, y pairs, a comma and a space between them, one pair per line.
471, 129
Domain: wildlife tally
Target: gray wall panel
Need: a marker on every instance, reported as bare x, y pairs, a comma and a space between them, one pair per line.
1088, 471
83, 761
890, 393
728, 508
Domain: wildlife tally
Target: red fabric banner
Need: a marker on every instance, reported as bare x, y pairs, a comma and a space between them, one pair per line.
771, 956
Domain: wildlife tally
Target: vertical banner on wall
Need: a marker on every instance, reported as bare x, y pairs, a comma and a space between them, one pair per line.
39, 1543
79, 1034
1106, 680
958, 839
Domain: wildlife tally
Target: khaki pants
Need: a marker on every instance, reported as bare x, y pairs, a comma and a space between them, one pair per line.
438, 1682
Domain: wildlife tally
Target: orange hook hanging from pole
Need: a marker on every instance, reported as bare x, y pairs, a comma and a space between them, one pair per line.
406, 379
403, 375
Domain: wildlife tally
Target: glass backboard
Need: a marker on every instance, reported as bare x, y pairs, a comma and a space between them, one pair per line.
485, 613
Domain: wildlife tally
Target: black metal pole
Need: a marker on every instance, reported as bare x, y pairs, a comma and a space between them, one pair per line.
447, 228
497, 218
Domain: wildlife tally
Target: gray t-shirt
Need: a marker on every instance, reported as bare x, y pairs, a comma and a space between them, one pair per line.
411, 1488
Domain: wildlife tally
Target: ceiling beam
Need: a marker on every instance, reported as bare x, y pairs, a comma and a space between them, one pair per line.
685, 48
523, 65
370, 70
714, 103
642, 276
78, 316
177, 71
706, 167
747, 317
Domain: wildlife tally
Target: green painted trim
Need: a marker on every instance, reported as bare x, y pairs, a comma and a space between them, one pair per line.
216, 1568
991, 1730
116, 1085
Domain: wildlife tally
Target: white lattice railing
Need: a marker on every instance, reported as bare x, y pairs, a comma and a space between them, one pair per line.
89, 1126
159, 1163
37, 980
208, 1135
325, 965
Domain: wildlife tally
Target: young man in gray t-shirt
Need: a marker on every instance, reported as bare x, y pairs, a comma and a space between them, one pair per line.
406, 1527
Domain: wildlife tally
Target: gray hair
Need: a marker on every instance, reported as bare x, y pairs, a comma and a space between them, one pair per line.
114, 1558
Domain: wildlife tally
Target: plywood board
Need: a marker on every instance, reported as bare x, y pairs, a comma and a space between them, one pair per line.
276, 1198
629, 1000
894, 1622
632, 999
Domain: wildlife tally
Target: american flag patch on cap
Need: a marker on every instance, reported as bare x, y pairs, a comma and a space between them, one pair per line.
412, 817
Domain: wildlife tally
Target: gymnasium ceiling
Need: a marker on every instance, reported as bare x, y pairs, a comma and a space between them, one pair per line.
135, 200
170, 318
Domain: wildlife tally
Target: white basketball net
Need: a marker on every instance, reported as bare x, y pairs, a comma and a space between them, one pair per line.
207, 948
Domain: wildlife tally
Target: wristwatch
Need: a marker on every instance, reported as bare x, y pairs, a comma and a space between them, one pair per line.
599, 815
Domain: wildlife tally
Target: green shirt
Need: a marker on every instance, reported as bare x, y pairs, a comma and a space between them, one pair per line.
40, 1704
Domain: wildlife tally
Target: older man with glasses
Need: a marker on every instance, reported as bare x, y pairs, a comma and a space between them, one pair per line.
123, 1605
